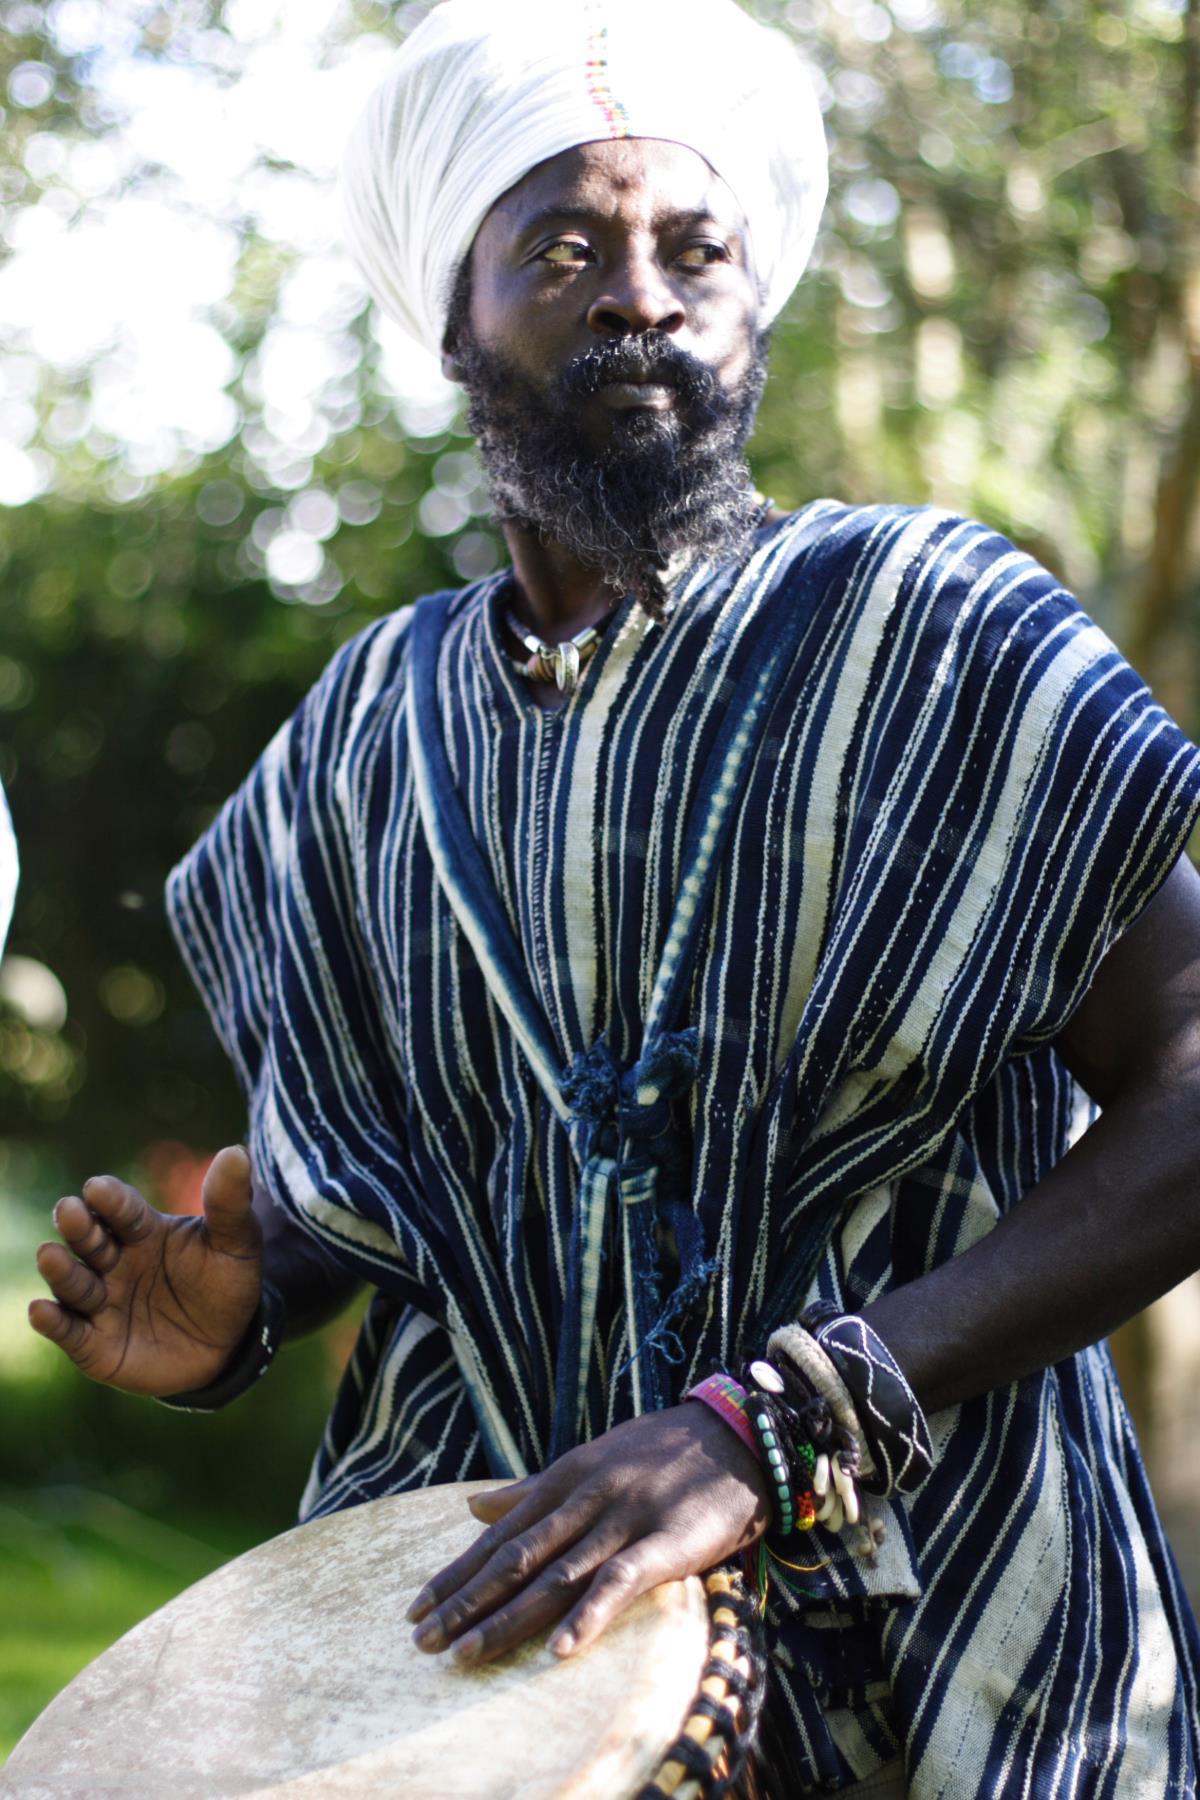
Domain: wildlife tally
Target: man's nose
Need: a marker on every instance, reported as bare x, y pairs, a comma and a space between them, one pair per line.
637, 297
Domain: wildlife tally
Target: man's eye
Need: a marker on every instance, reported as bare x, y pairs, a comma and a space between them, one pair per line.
566, 252
702, 256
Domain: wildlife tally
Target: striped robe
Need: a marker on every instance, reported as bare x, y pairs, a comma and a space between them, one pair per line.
955, 796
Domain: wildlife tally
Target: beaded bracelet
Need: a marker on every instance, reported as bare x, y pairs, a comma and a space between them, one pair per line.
790, 1435
775, 1463
751, 1413
811, 1456
819, 1398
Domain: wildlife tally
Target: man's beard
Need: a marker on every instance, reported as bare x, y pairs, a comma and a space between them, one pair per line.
667, 484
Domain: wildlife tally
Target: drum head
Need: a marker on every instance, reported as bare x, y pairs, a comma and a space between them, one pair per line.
291, 1672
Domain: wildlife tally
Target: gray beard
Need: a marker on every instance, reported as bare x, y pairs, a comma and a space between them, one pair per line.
669, 485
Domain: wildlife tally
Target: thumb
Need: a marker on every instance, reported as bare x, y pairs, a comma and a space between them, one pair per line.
497, 1502
228, 1196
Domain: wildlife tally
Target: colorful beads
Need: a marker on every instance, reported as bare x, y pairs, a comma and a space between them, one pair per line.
596, 75
777, 1469
808, 1487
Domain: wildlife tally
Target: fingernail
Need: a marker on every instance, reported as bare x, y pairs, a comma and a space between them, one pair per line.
468, 1648
420, 1606
429, 1636
562, 1643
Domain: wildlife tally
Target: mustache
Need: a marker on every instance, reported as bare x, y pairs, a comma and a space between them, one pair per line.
651, 356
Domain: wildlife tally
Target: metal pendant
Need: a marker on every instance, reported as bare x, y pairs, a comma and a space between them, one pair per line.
564, 661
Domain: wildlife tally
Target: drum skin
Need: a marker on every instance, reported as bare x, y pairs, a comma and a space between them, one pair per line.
291, 1672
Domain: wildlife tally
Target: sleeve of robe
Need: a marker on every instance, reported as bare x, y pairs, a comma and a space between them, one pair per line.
264, 911
1011, 798
1062, 794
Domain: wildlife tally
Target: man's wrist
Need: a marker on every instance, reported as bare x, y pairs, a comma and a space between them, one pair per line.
740, 1457
248, 1363
313, 1286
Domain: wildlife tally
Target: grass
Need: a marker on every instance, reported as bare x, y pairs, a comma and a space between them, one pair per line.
77, 1570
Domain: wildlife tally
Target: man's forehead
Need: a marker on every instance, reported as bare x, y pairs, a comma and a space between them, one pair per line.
650, 179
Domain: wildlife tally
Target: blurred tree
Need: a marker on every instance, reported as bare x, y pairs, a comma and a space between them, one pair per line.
1008, 290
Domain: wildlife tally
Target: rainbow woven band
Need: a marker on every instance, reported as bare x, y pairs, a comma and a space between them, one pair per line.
727, 1398
596, 75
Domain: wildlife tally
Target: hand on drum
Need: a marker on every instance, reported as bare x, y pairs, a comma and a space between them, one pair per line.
656, 1499
150, 1302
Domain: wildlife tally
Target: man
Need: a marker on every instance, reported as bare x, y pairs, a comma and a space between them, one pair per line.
699, 917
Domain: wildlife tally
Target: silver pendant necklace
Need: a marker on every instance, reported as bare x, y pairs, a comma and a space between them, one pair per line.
560, 663
563, 664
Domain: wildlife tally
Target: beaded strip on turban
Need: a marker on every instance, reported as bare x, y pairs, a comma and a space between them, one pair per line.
482, 92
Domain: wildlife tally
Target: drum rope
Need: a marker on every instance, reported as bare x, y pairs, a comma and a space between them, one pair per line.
708, 1758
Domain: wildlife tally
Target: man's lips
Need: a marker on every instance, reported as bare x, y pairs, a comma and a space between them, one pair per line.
621, 396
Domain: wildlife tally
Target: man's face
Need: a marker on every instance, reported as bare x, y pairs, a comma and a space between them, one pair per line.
612, 355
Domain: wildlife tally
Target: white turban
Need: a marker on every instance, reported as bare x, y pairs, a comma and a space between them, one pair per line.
484, 90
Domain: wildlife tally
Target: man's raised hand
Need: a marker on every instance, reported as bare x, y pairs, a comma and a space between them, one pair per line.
154, 1303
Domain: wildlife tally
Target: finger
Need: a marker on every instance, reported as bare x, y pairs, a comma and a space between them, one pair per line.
447, 1580
66, 1329
85, 1235
120, 1207
497, 1503
228, 1197
511, 1564
509, 1572
541, 1603
69, 1280
618, 1582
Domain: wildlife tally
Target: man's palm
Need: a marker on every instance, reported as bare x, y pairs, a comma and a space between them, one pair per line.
152, 1302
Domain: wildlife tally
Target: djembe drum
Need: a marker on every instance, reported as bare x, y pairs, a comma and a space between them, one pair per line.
291, 1672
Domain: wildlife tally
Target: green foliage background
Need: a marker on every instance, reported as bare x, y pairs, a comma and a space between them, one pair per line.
1003, 317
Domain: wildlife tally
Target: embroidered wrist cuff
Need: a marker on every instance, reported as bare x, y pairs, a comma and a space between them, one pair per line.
894, 1429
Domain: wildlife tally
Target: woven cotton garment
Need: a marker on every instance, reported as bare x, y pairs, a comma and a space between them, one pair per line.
481, 94
576, 1180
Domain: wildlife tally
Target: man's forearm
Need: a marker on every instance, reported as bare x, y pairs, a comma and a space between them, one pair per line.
312, 1287
1112, 1227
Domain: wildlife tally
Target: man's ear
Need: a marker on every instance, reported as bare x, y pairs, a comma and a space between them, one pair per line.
458, 311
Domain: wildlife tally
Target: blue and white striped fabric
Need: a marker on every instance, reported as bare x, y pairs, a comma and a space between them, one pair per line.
788, 978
